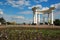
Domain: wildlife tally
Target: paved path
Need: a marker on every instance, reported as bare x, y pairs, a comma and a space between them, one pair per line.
35, 26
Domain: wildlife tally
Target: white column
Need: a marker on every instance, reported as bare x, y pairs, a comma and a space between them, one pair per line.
38, 18
48, 18
43, 19
35, 17
52, 17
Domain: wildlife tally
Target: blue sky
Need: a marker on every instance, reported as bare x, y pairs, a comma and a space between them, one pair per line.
20, 10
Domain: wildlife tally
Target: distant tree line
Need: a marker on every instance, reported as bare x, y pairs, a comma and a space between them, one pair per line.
3, 22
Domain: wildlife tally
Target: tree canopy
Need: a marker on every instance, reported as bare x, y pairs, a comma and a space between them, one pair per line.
2, 20
57, 22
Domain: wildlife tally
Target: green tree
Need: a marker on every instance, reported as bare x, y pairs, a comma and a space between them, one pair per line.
2, 20
57, 22
24, 23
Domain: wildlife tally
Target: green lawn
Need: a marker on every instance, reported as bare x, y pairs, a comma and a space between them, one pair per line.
29, 34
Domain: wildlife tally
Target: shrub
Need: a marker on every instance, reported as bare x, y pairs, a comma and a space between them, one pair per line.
41, 23
57, 22
33, 23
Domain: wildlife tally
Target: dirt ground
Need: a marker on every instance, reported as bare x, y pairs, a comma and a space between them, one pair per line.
35, 26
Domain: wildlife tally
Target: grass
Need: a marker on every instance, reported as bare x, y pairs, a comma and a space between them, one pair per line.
24, 33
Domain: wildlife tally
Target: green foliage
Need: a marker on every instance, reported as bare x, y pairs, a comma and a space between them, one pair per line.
2, 20
57, 22
33, 23
24, 23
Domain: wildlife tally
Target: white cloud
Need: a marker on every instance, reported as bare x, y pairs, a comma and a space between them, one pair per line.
1, 12
43, 0
45, 8
25, 12
19, 3
1, 3
52, 5
57, 15
4, 3
21, 19
40, 6
57, 11
29, 21
18, 17
57, 6
38, 1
